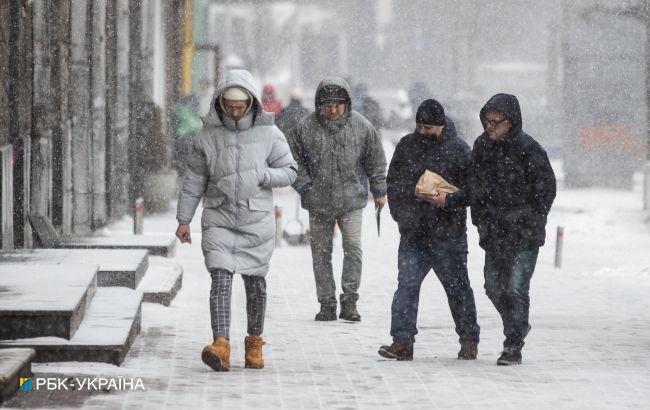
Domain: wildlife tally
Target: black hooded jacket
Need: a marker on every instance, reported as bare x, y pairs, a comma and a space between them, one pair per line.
512, 185
449, 157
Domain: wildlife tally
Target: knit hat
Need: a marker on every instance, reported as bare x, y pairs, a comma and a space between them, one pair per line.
332, 94
236, 94
430, 112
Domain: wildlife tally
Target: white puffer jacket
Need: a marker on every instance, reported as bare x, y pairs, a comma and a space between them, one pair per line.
233, 166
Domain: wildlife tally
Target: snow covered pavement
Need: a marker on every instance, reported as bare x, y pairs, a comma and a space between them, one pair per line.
589, 346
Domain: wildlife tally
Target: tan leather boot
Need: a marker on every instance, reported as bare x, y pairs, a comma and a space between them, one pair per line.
254, 359
217, 355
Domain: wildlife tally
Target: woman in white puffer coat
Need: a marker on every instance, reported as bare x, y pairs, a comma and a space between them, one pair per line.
235, 161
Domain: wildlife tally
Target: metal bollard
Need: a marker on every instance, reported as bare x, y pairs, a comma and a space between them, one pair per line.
138, 211
278, 226
559, 238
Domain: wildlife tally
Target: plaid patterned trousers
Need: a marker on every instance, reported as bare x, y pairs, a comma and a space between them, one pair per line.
220, 298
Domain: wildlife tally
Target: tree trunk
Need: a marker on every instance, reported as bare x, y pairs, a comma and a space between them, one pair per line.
118, 89
137, 109
173, 57
20, 95
646, 190
79, 108
41, 161
4, 69
98, 113
60, 70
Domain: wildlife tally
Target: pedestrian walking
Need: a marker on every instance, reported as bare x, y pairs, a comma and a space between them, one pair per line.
270, 102
291, 115
367, 106
236, 159
339, 154
433, 230
512, 189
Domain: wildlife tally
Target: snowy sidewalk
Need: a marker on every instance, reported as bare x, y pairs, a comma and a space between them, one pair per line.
589, 346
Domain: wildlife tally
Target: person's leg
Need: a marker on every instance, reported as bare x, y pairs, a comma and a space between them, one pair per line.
496, 283
217, 354
255, 303
413, 266
321, 230
521, 272
449, 261
220, 298
255, 310
350, 226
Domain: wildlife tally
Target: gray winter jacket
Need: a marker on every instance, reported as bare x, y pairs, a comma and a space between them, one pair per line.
337, 161
233, 167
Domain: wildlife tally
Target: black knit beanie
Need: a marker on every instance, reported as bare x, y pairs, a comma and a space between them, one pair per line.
430, 112
332, 94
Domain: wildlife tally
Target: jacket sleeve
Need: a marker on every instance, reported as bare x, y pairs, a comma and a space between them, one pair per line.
400, 196
477, 188
374, 163
302, 183
460, 199
282, 169
194, 183
542, 178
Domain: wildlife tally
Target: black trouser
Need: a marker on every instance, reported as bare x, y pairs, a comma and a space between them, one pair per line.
448, 259
507, 283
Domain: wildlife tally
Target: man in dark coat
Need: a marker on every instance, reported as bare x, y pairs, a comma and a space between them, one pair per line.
367, 106
512, 189
433, 230
292, 114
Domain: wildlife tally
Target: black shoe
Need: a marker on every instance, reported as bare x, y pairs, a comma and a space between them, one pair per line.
349, 312
327, 313
398, 350
509, 357
468, 351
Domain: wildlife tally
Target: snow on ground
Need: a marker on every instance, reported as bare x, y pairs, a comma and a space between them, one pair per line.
588, 347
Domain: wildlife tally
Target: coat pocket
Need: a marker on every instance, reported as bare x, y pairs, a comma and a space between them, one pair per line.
212, 201
351, 155
258, 203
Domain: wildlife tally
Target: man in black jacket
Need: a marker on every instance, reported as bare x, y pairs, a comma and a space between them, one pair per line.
512, 189
433, 230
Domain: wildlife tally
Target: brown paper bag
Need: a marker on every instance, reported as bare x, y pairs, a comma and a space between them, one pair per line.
430, 182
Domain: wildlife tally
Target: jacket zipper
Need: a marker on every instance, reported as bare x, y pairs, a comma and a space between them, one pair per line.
234, 254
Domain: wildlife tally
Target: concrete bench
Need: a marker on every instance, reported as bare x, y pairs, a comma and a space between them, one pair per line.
44, 300
14, 364
162, 281
106, 334
116, 267
48, 237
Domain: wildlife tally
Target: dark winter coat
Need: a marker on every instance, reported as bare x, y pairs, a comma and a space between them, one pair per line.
291, 116
512, 184
447, 156
372, 111
337, 160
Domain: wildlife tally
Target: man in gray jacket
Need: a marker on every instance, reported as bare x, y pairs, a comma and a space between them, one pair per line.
339, 154
236, 159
